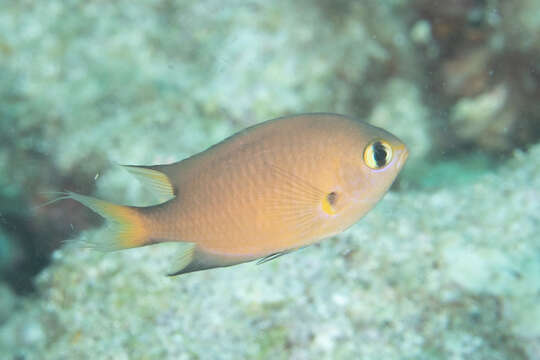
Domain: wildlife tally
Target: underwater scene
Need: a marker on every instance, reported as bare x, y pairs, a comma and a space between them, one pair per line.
391, 210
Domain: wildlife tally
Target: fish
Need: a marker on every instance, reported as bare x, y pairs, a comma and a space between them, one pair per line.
266, 191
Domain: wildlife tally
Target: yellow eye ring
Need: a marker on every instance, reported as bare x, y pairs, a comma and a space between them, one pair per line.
378, 154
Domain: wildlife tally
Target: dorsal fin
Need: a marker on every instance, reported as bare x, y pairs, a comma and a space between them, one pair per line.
157, 181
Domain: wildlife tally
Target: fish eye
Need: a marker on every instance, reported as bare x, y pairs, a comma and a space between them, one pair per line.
378, 154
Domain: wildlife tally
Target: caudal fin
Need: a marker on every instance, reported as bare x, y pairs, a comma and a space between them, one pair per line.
128, 228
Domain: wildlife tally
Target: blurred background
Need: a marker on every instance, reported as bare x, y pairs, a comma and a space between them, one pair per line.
88, 84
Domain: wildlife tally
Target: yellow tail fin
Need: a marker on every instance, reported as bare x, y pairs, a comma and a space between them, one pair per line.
128, 228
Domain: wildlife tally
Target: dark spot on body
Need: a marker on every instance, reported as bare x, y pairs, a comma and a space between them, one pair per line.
332, 198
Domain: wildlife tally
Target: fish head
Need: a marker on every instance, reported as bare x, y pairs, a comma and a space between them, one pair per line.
372, 165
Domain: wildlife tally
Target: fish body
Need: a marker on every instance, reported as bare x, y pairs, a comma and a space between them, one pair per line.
269, 189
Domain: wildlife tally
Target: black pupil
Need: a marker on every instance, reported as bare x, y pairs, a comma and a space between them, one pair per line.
379, 154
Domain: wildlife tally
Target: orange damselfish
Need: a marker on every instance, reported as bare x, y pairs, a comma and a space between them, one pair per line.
263, 192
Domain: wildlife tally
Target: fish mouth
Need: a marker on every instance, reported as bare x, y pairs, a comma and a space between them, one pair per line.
403, 155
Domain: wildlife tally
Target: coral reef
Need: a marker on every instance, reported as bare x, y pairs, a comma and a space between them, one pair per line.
481, 55
451, 273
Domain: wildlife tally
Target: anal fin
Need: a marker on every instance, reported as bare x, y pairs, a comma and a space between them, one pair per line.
196, 259
185, 257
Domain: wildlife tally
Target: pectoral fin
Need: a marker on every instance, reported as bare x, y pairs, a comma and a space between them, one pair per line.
298, 204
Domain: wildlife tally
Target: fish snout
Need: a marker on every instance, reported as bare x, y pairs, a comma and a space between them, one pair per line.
403, 154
